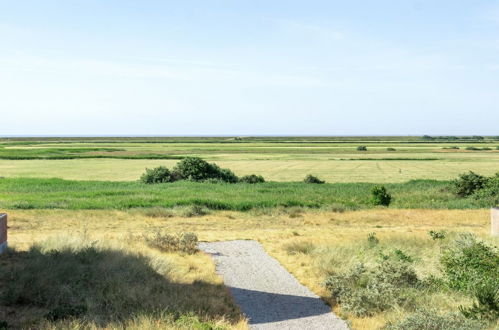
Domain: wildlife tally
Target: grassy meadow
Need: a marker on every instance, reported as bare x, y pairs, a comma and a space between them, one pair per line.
77, 211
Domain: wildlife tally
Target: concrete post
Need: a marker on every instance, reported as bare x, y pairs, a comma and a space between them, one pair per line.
3, 232
494, 221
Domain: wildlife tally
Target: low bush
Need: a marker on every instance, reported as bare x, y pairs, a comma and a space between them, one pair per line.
489, 193
179, 242
468, 263
361, 148
468, 183
486, 306
197, 169
156, 175
431, 320
194, 211
391, 149
437, 234
365, 291
313, 179
379, 196
252, 178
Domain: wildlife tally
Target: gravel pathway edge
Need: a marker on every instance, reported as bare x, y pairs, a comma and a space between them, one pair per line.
269, 296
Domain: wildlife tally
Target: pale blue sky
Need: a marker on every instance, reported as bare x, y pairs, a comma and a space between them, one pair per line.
259, 67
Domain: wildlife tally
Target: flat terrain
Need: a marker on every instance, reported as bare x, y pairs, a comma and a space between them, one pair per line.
76, 205
277, 159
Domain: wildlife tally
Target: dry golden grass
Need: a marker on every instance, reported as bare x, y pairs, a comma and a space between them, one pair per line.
334, 235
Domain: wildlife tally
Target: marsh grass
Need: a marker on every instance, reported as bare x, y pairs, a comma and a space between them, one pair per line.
66, 194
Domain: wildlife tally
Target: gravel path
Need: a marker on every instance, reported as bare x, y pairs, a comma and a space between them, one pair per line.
269, 296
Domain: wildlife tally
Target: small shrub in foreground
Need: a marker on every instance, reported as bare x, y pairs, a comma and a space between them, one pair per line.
156, 175
361, 148
431, 320
252, 178
486, 306
365, 291
313, 179
379, 196
468, 263
391, 149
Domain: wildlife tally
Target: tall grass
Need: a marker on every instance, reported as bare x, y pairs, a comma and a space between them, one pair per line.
64, 194
78, 283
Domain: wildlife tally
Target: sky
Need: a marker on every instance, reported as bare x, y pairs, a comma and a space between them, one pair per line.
259, 67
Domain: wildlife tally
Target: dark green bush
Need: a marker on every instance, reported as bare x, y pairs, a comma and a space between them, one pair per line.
312, 179
156, 175
379, 196
469, 262
365, 291
252, 178
391, 149
431, 320
197, 169
468, 183
486, 306
361, 148
489, 194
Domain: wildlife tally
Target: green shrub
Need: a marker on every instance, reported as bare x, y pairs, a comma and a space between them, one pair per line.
180, 242
252, 178
486, 306
489, 194
468, 183
361, 148
400, 255
469, 262
365, 291
437, 234
156, 175
379, 196
313, 179
431, 320
197, 169
391, 149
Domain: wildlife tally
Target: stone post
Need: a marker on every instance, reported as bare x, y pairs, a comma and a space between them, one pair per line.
494, 221
3, 232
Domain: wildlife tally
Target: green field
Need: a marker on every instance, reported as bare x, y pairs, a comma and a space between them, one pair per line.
277, 159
